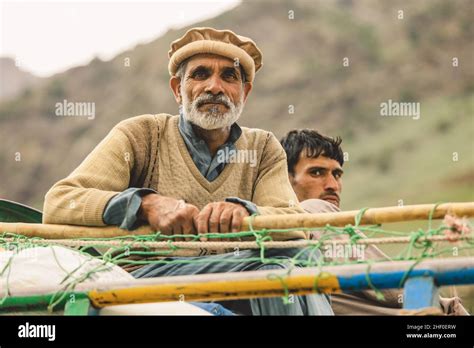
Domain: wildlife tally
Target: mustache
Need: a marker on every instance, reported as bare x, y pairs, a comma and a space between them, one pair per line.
215, 99
330, 193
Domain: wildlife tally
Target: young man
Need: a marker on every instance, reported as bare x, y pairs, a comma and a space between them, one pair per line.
179, 174
315, 171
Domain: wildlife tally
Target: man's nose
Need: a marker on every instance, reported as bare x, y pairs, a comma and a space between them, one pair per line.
214, 85
331, 184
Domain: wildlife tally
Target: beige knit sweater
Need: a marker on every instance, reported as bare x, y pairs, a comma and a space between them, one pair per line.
148, 151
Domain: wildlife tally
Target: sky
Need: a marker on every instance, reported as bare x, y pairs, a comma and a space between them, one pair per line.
49, 37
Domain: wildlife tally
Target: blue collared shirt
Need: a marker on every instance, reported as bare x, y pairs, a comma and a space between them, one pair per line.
209, 166
122, 209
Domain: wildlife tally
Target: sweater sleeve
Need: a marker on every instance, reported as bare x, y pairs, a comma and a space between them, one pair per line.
273, 193
81, 198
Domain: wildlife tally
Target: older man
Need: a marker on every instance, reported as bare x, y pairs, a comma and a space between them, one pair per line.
195, 172
315, 171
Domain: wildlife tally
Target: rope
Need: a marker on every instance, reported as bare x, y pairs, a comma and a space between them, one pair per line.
220, 246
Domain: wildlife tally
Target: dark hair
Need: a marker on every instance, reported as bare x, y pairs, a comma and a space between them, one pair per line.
182, 69
315, 145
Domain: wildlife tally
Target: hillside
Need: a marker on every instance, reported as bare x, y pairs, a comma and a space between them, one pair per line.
14, 80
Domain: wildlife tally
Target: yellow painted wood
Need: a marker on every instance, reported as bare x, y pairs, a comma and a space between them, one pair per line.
218, 290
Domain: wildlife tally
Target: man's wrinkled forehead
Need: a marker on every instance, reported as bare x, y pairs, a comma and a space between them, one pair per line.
210, 61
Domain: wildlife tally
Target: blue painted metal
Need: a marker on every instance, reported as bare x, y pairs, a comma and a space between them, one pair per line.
392, 280
420, 292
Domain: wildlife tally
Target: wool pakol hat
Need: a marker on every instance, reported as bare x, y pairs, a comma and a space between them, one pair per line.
221, 42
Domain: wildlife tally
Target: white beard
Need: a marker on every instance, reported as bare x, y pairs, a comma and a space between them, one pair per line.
213, 118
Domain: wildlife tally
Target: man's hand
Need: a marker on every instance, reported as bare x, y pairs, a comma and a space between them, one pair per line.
168, 215
222, 217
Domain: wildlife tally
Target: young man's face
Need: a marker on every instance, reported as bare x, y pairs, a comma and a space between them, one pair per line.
317, 178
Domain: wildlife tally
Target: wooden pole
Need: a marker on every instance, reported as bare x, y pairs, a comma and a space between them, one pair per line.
371, 216
51, 231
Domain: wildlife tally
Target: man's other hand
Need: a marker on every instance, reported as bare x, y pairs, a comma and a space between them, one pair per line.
220, 217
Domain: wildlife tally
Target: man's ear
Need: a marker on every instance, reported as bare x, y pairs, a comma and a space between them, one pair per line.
175, 85
247, 88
